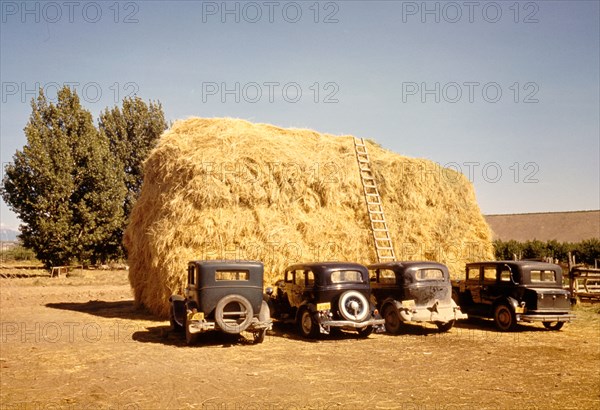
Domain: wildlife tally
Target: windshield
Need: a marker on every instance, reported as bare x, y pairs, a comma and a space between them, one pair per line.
543, 276
430, 274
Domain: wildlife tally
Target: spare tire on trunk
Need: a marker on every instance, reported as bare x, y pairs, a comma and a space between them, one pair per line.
354, 306
233, 314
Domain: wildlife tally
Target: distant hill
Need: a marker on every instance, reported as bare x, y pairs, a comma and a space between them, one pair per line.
561, 226
8, 235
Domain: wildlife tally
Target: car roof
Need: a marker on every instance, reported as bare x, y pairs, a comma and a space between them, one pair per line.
327, 266
232, 262
521, 264
407, 264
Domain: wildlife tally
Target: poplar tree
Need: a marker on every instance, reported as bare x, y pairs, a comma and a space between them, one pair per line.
65, 184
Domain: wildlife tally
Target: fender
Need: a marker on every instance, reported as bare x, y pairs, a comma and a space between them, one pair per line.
176, 298
310, 306
510, 301
390, 301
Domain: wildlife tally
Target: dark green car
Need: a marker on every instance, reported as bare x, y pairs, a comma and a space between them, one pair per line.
222, 295
322, 296
514, 291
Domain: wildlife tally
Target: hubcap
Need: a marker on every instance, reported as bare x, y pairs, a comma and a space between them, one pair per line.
354, 307
504, 317
392, 319
306, 322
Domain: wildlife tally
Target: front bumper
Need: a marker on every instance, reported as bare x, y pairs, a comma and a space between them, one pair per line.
545, 317
426, 314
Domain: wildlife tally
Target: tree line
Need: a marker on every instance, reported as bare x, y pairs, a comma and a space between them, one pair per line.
74, 184
586, 251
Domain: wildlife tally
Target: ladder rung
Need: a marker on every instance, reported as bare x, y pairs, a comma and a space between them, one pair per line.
382, 220
383, 244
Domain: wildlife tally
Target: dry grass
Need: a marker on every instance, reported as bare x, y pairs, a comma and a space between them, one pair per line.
77, 277
226, 188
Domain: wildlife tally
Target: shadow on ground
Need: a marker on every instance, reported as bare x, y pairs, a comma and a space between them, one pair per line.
164, 335
123, 309
488, 325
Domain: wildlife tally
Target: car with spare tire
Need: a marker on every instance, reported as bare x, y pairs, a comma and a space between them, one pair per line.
222, 295
319, 297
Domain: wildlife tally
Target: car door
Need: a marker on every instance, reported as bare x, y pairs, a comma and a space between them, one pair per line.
489, 285
297, 288
472, 294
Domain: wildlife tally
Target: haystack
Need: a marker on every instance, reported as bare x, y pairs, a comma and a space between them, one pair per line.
231, 189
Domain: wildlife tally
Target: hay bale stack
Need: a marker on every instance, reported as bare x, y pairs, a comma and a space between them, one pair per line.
227, 188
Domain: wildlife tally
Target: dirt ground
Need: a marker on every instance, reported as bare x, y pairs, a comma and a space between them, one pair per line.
78, 343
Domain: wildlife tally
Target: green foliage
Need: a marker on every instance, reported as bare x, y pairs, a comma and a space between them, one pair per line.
17, 254
132, 131
586, 251
65, 185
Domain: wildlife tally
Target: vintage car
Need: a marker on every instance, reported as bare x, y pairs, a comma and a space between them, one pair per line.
322, 296
414, 292
514, 291
222, 295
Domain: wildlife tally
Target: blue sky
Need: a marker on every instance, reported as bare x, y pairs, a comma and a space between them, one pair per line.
506, 92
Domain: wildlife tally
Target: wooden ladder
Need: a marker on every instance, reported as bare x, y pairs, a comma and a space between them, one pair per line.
379, 227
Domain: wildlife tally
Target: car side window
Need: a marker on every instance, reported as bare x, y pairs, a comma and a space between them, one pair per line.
289, 277
473, 274
191, 274
489, 274
505, 275
387, 276
310, 278
299, 278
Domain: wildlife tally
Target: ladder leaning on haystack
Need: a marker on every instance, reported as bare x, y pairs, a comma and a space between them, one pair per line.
379, 227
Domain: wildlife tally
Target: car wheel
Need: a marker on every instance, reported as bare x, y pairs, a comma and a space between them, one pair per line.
307, 325
354, 306
365, 332
175, 327
233, 314
393, 324
553, 325
444, 326
504, 318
